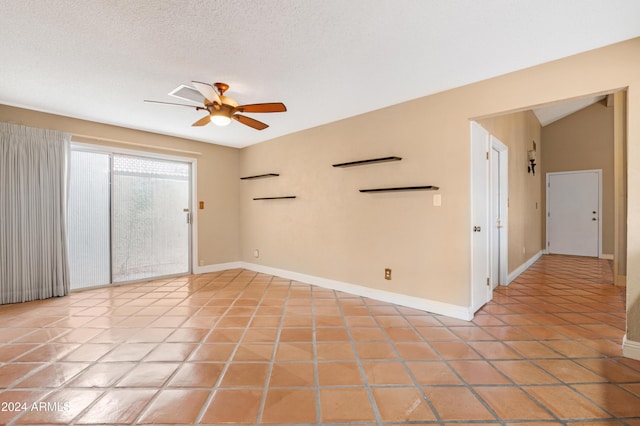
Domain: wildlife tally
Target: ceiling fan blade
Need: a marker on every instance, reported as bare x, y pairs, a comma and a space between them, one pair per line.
207, 91
174, 104
258, 125
268, 107
203, 121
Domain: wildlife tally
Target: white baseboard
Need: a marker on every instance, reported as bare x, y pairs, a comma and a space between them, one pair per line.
630, 349
447, 309
526, 265
217, 267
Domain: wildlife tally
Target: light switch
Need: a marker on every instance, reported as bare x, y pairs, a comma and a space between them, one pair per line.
437, 200
201, 205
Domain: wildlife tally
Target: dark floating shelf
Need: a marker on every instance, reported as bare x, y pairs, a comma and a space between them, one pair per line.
266, 175
403, 188
372, 161
275, 198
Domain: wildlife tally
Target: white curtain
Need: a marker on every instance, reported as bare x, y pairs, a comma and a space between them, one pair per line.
33, 204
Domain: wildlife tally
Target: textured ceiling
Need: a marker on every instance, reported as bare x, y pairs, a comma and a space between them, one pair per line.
326, 60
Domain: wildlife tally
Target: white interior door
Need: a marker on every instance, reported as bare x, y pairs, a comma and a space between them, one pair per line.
498, 166
481, 291
573, 213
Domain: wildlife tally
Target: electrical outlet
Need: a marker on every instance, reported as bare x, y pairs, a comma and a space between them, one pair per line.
387, 273
256, 253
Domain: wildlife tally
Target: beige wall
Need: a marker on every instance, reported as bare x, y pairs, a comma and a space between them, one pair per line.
518, 131
217, 179
584, 141
335, 232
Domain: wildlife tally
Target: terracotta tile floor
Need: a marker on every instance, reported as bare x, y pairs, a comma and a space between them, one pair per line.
241, 347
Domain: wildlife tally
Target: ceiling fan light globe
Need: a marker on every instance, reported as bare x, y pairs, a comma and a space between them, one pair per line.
220, 120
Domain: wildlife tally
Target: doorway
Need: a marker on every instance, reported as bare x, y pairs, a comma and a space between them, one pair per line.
129, 218
573, 213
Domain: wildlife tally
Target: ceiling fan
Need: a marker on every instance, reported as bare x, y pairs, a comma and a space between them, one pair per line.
222, 109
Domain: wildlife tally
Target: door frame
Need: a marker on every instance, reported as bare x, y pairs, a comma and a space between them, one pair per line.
599, 174
193, 229
503, 168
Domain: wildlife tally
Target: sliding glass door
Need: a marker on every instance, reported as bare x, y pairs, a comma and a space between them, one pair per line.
134, 223
150, 218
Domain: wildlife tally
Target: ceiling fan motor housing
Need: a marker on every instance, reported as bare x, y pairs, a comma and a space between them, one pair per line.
225, 109
222, 109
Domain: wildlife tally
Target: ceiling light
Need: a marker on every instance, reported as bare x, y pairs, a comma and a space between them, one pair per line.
220, 120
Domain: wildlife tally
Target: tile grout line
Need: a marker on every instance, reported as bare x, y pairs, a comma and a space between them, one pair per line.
54, 390
316, 373
265, 387
613, 416
560, 383
165, 385
113, 386
463, 382
64, 384
216, 387
588, 338
416, 383
365, 381
469, 386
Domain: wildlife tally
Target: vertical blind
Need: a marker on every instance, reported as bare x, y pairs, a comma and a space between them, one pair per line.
89, 219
